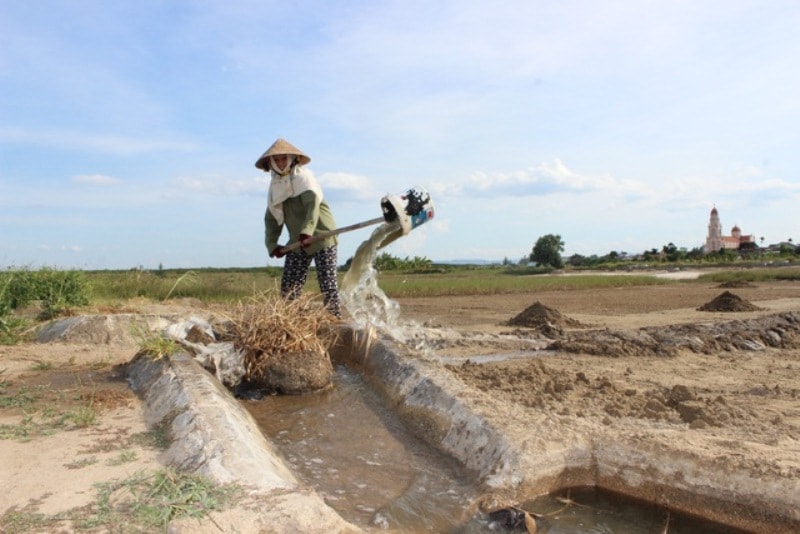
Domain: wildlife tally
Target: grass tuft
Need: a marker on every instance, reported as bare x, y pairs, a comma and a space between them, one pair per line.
151, 501
189, 277
140, 503
157, 438
155, 345
84, 416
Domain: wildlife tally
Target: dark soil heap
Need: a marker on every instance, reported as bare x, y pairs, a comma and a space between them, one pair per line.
538, 315
728, 302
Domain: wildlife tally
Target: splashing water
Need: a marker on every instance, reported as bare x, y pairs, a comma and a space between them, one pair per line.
365, 300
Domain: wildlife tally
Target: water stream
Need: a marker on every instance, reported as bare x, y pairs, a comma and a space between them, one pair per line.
369, 307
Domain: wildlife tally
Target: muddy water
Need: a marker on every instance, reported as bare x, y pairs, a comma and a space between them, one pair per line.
356, 453
592, 510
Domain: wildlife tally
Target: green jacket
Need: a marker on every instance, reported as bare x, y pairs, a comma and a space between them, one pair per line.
303, 214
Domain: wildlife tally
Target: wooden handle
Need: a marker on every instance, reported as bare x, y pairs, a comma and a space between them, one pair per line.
343, 229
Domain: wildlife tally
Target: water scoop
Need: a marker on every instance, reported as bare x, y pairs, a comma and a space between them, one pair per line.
406, 210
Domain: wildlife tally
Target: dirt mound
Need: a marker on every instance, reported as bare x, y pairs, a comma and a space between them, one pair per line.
736, 284
728, 302
538, 315
778, 331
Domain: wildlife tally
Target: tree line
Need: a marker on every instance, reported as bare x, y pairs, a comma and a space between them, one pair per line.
548, 249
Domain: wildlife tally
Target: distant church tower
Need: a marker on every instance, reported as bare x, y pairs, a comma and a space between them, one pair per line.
714, 238
716, 241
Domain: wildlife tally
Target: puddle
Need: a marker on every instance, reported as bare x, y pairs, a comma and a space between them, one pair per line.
598, 511
595, 511
358, 456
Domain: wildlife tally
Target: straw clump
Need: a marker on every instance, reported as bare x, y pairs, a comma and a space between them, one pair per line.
284, 342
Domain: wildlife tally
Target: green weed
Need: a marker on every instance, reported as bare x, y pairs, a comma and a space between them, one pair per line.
83, 416
189, 277
41, 366
41, 414
157, 438
753, 275
26, 520
13, 329
56, 292
492, 281
151, 501
207, 285
140, 503
124, 457
21, 431
80, 464
154, 344
24, 397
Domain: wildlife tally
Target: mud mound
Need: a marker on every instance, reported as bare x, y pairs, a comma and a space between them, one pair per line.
778, 331
728, 302
538, 315
736, 284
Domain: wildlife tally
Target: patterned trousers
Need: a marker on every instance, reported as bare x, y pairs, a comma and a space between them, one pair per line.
295, 273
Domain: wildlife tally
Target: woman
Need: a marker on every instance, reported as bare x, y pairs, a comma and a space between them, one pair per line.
295, 200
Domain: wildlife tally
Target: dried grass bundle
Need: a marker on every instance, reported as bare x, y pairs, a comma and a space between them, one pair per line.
266, 325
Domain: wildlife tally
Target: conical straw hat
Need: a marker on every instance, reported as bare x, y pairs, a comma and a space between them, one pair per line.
281, 146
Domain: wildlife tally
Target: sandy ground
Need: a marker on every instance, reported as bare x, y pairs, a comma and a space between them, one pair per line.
639, 364
738, 404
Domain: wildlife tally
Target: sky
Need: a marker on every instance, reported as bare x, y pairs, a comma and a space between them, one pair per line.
129, 129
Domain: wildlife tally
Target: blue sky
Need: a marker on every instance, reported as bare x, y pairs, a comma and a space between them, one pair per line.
129, 129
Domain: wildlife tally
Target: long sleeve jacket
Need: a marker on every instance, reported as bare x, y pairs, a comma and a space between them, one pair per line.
303, 214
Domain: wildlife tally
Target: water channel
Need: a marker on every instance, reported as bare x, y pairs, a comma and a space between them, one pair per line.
359, 456
356, 453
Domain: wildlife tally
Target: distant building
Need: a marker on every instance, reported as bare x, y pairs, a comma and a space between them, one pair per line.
716, 241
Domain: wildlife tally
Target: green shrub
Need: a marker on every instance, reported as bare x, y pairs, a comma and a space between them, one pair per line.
55, 291
387, 262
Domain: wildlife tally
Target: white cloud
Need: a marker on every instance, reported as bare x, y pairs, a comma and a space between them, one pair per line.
546, 179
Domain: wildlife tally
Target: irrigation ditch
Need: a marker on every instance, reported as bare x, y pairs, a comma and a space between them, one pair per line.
215, 435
